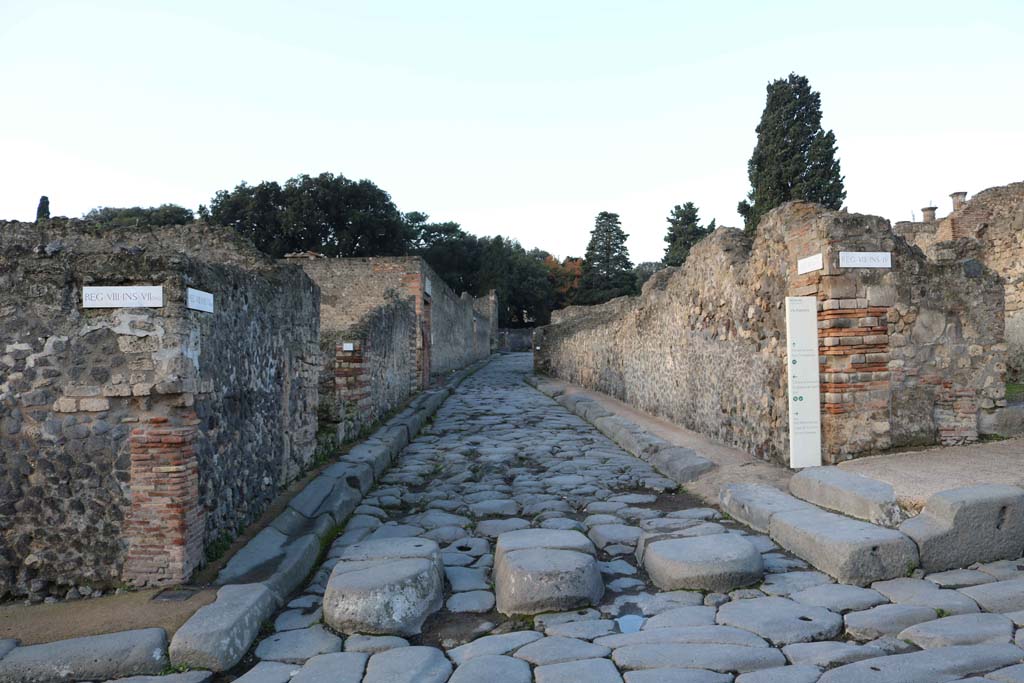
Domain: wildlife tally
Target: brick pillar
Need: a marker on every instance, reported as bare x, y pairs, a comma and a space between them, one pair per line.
165, 524
352, 384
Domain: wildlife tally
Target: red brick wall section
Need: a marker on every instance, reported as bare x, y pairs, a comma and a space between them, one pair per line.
165, 524
351, 381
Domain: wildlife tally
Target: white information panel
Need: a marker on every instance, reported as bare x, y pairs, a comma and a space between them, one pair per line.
198, 300
865, 259
123, 297
809, 264
804, 389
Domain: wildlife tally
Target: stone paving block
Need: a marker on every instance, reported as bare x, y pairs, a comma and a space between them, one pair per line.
523, 539
886, 620
786, 583
961, 629
682, 616
609, 534
1011, 674
756, 504
851, 494
336, 667
295, 647
589, 670
721, 658
504, 643
927, 666
959, 578
720, 562
677, 676
781, 621
829, 653
416, 664
269, 672
908, 591
6, 645
584, 630
558, 649
219, 634
388, 597
292, 619
91, 658
473, 602
546, 580
496, 668
839, 597
186, 677
373, 644
1001, 596
721, 635
849, 550
682, 465
966, 525
783, 674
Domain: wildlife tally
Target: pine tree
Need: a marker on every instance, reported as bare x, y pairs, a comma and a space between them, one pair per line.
794, 158
43, 210
607, 270
684, 231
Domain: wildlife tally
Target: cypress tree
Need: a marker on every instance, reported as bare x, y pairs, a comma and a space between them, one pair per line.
607, 270
43, 209
794, 157
684, 231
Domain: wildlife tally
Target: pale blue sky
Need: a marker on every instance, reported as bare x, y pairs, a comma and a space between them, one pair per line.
524, 119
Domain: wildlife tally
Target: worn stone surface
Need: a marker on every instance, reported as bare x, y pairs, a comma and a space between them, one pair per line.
781, 621
269, 672
544, 580
940, 664
493, 668
114, 655
295, 647
720, 562
839, 597
886, 620
721, 658
851, 494
962, 629
595, 670
827, 654
219, 634
1000, 596
408, 665
783, 674
677, 676
756, 504
336, 667
387, 596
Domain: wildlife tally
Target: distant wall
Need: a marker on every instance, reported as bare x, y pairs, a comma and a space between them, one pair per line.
134, 438
460, 334
515, 339
910, 355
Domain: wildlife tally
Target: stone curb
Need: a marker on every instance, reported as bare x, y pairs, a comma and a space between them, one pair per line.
680, 464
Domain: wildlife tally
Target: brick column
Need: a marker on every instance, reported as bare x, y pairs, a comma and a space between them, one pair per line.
352, 383
164, 529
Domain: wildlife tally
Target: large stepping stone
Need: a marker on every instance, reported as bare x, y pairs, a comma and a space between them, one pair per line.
851, 494
545, 570
90, 658
781, 621
385, 587
720, 562
972, 524
219, 634
927, 666
756, 504
962, 629
849, 550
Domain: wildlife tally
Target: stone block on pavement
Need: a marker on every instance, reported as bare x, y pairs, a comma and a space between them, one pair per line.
538, 580
90, 658
219, 634
756, 504
720, 562
962, 526
386, 597
851, 494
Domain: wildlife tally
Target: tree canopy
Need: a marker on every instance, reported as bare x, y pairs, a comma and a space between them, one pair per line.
794, 157
684, 231
607, 270
138, 216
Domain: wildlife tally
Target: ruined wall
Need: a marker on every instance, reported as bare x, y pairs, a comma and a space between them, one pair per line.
516, 339
460, 334
908, 355
132, 439
995, 218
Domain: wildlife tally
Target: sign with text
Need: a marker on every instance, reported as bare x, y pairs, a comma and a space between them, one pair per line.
810, 264
198, 300
804, 387
123, 297
865, 259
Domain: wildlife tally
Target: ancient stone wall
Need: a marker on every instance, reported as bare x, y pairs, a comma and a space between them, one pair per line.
995, 218
909, 355
134, 438
460, 334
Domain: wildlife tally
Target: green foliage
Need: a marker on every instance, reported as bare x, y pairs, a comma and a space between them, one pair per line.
43, 209
684, 231
1015, 392
643, 272
328, 214
794, 157
607, 270
216, 549
138, 216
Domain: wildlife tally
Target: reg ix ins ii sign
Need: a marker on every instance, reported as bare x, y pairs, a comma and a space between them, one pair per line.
804, 389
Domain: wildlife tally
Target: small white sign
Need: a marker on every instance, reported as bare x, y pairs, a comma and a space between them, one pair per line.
348, 346
810, 264
198, 300
123, 297
804, 387
865, 259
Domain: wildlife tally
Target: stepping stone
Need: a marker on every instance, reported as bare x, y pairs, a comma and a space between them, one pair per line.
496, 668
756, 504
966, 525
829, 654
1001, 596
295, 647
940, 664
720, 635
851, 494
557, 649
385, 587
677, 676
545, 580
492, 645
113, 655
589, 670
721, 658
719, 562
962, 629
926, 594
781, 621
839, 598
408, 665
886, 620
849, 550
473, 602
218, 635
783, 674
337, 667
